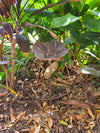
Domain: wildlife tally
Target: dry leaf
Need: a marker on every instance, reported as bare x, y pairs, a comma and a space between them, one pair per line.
20, 116
50, 122
25, 130
53, 35
54, 67
89, 131
90, 113
1, 104
16, 131
96, 93
12, 117
74, 102
0, 127
20, 82
29, 121
3, 94
35, 129
92, 124
79, 117
98, 114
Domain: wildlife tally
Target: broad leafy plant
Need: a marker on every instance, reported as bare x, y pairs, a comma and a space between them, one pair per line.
79, 23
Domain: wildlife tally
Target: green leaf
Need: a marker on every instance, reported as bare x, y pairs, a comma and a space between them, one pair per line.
2, 76
19, 62
68, 41
60, 75
74, 11
11, 90
63, 122
62, 63
93, 25
40, 14
14, 16
70, 61
63, 21
74, 26
94, 36
91, 3
76, 35
84, 9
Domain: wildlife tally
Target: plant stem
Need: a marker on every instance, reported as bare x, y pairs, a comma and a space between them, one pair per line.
50, 82
13, 63
7, 74
1, 48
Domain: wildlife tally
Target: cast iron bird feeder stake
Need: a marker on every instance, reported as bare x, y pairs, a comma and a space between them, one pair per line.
53, 50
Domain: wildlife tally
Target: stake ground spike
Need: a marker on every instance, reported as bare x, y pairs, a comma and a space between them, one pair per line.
53, 50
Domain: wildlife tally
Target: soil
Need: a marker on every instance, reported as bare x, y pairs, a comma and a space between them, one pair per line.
72, 105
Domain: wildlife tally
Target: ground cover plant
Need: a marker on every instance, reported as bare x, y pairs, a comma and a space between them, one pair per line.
26, 102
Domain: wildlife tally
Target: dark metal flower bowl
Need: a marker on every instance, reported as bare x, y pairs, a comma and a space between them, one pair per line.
51, 51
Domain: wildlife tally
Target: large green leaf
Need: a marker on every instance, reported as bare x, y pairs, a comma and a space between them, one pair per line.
76, 35
93, 25
94, 36
74, 26
63, 21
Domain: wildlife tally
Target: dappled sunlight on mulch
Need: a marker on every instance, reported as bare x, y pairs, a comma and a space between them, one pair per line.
74, 106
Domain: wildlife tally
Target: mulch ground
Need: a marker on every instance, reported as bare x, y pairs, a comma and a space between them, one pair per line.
71, 106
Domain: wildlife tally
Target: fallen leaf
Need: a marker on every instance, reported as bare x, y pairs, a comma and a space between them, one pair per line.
12, 117
1, 104
20, 116
45, 104
63, 122
0, 127
16, 131
29, 121
35, 129
50, 122
92, 124
53, 35
90, 113
74, 102
20, 82
79, 117
3, 94
25, 130
88, 131
54, 67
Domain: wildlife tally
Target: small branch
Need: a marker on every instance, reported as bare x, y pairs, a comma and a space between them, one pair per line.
52, 33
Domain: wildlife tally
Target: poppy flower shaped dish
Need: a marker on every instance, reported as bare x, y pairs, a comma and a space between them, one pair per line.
51, 51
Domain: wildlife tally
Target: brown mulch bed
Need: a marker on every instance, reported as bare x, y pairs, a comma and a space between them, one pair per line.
73, 107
